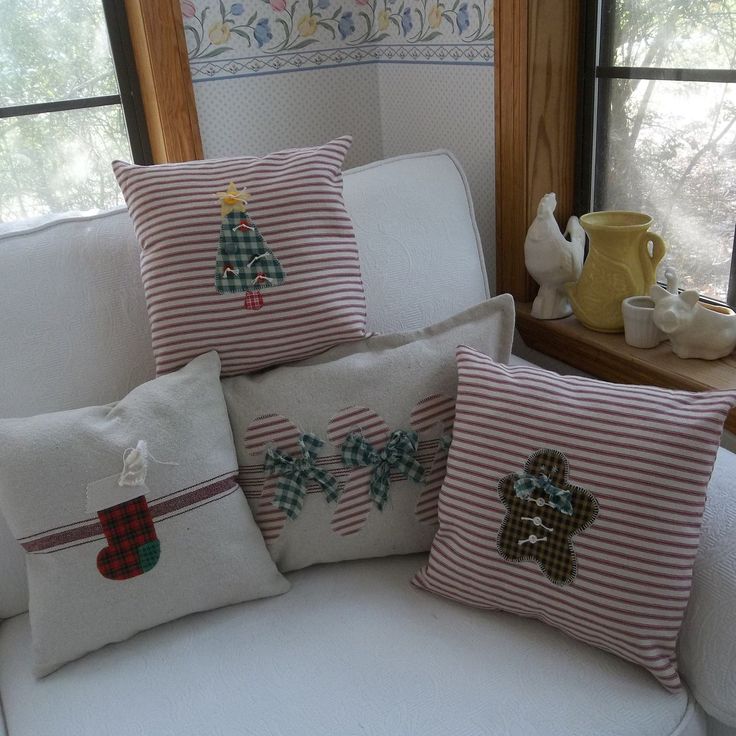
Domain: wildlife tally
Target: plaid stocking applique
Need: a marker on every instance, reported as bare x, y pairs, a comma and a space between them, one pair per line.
133, 547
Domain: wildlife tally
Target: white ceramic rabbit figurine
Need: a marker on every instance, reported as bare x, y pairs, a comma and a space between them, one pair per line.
695, 330
552, 260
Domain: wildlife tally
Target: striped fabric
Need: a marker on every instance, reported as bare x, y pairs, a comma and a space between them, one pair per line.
645, 454
164, 507
354, 502
296, 202
435, 410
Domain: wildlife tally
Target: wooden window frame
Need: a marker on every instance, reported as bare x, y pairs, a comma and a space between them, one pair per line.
536, 109
160, 50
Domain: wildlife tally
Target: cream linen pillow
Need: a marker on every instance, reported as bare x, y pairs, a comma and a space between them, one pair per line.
130, 514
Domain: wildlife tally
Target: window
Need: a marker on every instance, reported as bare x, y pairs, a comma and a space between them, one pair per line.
68, 106
659, 127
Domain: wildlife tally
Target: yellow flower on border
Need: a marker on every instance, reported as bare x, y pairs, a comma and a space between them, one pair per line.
384, 18
307, 26
219, 33
434, 17
233, 200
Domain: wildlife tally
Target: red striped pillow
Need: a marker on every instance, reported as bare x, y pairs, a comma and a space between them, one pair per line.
627, 489
296, 203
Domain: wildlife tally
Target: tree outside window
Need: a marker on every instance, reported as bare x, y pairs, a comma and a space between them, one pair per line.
662, 114
61, 112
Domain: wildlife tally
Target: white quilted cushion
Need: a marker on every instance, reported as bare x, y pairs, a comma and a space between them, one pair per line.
74, 328
74, 333
420, 252
352, 650
707, 649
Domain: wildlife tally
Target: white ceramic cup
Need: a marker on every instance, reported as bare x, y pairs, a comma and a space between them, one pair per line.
639, 328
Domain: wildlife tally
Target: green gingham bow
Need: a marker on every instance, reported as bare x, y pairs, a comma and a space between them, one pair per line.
558, 498
397, 455
296, 474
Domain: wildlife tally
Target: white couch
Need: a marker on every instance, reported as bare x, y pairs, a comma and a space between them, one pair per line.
352, 649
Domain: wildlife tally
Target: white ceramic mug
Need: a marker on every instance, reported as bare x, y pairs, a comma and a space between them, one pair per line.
639, 328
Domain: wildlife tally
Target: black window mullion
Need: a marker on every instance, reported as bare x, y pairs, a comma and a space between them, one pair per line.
130, 93
731, 294
15, 111
666, 74
587, 110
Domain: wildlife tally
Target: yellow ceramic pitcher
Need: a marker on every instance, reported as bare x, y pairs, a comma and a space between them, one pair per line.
618, 266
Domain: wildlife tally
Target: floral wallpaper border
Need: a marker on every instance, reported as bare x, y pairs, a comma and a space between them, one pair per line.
227, 40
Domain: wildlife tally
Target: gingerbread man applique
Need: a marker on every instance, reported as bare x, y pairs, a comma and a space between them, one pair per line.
543, 513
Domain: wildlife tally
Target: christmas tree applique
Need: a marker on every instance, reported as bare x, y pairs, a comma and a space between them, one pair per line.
244, 263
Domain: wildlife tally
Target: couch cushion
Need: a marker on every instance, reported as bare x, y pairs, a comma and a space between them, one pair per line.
200, 256
706, 645
80, 336
74, 329
380, 404
352, 649
420, 252
130, 514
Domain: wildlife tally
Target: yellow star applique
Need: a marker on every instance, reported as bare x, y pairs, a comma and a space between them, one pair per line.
233, 200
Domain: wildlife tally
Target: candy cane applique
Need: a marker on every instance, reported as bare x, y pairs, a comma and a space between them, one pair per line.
279, 432
437, 410
355, 502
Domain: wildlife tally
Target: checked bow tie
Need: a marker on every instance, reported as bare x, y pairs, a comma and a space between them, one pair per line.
297, 473
558, 498
398, 455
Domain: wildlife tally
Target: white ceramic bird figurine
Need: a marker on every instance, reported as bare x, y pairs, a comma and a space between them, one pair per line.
552, 260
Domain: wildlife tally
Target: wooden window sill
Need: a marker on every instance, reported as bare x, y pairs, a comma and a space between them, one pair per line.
610, 358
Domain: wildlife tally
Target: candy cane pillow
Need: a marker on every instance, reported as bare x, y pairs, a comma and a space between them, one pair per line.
253, 257
342, 457
576, 502
130, 514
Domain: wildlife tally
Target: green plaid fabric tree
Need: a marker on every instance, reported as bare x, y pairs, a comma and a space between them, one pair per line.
244, 263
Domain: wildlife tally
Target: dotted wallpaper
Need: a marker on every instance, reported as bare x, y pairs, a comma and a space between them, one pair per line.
452, 108
264, 114
389, 108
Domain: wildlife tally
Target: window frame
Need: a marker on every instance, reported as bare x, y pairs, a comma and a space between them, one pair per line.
128, 96
593, 49
161, 59
155, 84
128, 84
536, 110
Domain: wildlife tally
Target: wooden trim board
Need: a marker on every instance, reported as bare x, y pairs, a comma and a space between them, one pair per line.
536, 96
159, 46
608, 357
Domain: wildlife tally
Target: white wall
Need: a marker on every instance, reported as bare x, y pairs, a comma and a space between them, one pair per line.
402, 92
257, 115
